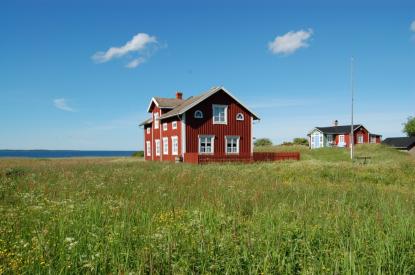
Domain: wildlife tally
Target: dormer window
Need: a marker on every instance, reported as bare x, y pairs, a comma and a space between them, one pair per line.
220, 114
198, 114
240, 116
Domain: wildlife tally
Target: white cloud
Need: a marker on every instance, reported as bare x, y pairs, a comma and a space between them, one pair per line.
290, 42
61, 104
413, 26
139, 44
135, 63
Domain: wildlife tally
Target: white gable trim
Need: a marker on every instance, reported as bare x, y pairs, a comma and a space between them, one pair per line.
155, 102
201, 99
314, 129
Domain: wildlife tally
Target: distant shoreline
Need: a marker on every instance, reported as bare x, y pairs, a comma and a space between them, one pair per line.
7, 153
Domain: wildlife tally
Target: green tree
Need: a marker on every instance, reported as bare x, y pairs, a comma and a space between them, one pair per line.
263, 142
300, 141
409, 127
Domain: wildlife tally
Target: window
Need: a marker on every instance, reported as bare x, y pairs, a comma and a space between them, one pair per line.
232, 145
372, 139
175, 145
174, 124
156, 120
240, 116
165, 126
165, 146
359, 138
341, 139
220, 114
198, 114
148, 130
148, 148
157, 147
206, 144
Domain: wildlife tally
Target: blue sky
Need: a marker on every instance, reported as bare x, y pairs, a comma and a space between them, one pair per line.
62, 88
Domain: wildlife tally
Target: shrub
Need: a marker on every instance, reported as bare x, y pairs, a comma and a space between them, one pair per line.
263, 142
138, 154
300, 141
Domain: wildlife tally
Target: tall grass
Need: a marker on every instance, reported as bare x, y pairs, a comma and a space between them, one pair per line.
323, 214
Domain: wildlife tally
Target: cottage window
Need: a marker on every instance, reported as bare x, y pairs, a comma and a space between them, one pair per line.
175, 145
220, 114
198, 114
360, 139
165, 146
148, 148
232, 144
240, 116
156, 120
148, 130
157, 147
372, 139
341, 139
174, 124
206, 144
165, 126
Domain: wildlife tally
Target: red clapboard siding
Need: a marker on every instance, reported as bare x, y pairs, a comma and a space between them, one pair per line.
170, 133
205, 126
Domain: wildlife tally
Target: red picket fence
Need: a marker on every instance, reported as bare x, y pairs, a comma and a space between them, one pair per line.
195, 158
275, 156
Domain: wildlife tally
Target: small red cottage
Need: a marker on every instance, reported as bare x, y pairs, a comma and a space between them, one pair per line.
339, 136
212, 125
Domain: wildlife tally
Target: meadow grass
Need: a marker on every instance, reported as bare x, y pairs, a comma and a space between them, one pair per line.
322, 214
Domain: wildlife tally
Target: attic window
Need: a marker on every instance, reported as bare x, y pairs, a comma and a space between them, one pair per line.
240, 116
198, 114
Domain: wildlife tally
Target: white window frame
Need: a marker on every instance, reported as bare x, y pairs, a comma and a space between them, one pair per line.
240, 117
225, 114
165, 146
360, 139
174, 145
174, 125
198, 114
212, 146
372, 139
157, 141
148, 130
165, 126
156, 120
341, 140
148, 148
237, 145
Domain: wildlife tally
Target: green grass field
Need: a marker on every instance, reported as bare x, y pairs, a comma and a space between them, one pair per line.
322, 214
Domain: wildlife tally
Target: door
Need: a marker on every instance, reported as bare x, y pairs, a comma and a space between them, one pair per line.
316, 141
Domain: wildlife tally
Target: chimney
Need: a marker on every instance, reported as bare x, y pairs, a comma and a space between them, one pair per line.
336, 123
179, 95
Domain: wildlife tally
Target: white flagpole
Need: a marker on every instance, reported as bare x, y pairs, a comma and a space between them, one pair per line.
351, 126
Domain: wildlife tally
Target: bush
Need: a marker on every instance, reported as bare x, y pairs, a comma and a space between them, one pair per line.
300, 141
263, 142
138, 154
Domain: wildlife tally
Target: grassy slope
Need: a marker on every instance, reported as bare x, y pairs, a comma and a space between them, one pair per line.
320, 215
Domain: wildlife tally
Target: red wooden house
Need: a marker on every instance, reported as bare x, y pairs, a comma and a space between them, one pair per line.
339, 136
212, 125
